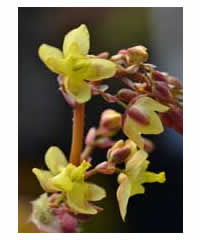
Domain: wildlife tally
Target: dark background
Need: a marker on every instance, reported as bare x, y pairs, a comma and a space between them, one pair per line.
45, 119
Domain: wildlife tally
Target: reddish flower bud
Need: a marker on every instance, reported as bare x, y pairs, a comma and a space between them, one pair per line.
103, 55
119, 155
105, 168
110, 119
159, 76
148, 145
175, 82
161, 91
90, 138
137, 115
104, 142
126, 94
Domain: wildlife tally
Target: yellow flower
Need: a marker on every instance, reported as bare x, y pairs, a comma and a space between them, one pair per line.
75, 65
142, 118
132, 178
66, 178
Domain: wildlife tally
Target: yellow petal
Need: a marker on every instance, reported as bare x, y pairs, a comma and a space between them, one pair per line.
99, 69
80, 36
151, 177
55, 160
123, 194
131, 131
63, 181
78, 173
137, 189
79, 90
53, 58
134, 165
77, 199
45, 179
95, 193
151, 104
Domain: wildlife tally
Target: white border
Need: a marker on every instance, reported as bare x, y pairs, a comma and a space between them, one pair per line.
9, 133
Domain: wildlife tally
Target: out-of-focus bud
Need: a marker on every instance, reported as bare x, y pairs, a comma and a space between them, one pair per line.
139, 116
106, 168
148, 145
103, 55
159, 76
137, 55
90, 138
175, 82
110, 121
121, 151
173, 118
132, 69
42, 215
68, 223
104, 142
126, 95
161, 91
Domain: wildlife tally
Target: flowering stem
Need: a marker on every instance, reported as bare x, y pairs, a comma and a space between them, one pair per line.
87, 152
77, 134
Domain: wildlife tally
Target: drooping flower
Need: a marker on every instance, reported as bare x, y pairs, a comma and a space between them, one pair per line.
141, 118
132, 178
66, 178
75, 65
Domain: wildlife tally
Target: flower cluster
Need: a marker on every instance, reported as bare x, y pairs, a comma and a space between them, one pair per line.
149, 99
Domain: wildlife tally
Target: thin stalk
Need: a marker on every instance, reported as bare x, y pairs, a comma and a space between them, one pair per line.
77, 134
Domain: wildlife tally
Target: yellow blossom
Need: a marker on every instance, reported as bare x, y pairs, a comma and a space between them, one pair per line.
66, 178
132, 178
142, 119
75, 65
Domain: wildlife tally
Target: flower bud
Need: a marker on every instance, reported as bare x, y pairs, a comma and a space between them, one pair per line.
104, 142
120, 155
137, 55
103, 55
90, 138
105, 168
161, 91
110, 120
159, 76
139, 116
148, 145
126, 94
121, 151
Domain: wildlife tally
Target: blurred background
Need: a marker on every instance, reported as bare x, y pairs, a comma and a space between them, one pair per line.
45, 119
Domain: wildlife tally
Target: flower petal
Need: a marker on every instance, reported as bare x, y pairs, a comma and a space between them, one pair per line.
63, 181
55, 160
134, 165
99, 69
95, 193
80, 36
77, 199
151, 177
45, 179
131, 131
123, 194
151, 104
79, 90
53, 58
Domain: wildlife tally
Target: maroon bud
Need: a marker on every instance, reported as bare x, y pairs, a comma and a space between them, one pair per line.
104, 142
161, 91
138, 116
159, 76
175, 82
126, 94
120, 155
